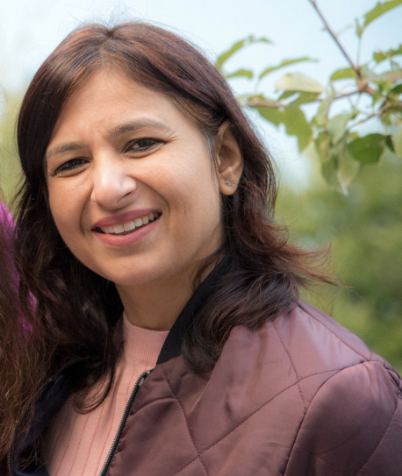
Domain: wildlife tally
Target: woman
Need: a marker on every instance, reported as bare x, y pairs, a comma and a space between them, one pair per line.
146, 234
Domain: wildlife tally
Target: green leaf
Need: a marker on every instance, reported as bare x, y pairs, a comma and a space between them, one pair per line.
367, 149
321, 117
287, 94
397, 142
391, 117
296, 125
390, 144
383, 55
377, 96
331, 174
322, 143
304, 98
245, 73
359, 28
329, 170
340, 170
392, 76
379, 56
347, 170
223, 57
343, 74
384, 85
337, 126
379, 10
368, 73
298, 82
396, 90
271, 114
283, 64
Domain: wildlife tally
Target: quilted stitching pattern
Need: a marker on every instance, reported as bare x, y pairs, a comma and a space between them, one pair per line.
216, 448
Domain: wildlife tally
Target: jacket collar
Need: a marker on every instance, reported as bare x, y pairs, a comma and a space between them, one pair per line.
172, 346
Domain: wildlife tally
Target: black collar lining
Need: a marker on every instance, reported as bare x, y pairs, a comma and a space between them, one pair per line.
172, 345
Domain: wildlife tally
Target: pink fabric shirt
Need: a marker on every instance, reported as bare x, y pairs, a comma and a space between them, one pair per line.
78, 445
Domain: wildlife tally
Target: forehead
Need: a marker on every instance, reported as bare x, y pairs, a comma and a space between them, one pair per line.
113, 93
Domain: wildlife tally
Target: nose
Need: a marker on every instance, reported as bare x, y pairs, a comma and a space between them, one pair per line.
113, 186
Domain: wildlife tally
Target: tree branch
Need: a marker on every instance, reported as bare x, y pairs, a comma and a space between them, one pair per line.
328, 28
367, 118
278, 104
378, 113
260, 103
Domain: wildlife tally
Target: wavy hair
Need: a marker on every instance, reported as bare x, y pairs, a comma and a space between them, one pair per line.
77, 310
23, 354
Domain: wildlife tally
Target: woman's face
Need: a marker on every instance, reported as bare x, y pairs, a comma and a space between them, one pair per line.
132, 187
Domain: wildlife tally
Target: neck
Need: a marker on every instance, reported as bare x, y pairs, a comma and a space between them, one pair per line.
156, 306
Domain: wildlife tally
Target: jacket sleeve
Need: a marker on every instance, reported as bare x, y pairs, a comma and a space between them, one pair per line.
353, 425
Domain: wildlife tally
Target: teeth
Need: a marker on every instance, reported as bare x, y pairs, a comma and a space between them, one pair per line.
118, 228
131, 225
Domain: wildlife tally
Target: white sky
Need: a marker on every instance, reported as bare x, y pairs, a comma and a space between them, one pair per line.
31, 29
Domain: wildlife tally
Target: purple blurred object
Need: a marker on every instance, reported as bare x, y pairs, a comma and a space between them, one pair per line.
6, 236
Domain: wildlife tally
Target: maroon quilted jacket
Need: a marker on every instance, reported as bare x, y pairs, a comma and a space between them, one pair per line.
300, 397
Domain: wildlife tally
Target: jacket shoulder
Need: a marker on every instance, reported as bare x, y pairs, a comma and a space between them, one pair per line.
353, 425
353, 399
315, 343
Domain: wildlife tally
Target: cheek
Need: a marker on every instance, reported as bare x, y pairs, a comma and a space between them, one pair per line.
196, 197
201, 211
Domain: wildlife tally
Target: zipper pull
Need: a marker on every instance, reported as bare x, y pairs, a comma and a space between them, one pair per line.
143, 377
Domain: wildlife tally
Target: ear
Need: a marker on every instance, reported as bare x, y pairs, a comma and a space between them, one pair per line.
229, 160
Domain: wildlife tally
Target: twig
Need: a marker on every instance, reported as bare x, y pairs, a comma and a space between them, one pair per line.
260, 103
382, 109
328, 28
367, 118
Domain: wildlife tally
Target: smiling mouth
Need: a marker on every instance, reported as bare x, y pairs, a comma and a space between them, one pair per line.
130, 226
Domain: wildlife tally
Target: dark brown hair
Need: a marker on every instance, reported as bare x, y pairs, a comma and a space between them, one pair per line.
77, 309
23, 353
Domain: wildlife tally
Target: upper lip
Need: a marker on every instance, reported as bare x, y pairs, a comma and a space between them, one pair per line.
123, 218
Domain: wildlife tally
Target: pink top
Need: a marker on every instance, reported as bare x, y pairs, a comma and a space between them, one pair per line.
78, 445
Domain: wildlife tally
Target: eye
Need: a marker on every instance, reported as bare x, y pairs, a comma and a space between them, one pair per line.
143, 145
69, 166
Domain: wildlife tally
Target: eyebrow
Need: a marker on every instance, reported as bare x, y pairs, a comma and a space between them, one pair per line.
68, 147
117, 131
140, 124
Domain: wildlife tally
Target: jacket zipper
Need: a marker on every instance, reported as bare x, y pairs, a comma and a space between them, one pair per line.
123, 420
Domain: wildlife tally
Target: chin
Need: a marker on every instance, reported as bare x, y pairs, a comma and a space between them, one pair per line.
138, 278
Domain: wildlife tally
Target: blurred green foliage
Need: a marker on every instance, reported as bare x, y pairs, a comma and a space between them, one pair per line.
10, 171
364, 233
